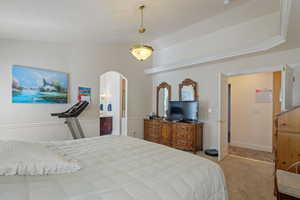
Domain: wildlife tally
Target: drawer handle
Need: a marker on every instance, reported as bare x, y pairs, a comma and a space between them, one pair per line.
283, 124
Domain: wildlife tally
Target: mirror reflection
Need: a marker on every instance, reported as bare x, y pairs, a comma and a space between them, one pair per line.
163, 98
163, 102
187, 93
188, 90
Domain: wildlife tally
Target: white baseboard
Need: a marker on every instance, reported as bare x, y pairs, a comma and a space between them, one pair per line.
252, 146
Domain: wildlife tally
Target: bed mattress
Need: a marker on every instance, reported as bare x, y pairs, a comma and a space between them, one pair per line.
122, 168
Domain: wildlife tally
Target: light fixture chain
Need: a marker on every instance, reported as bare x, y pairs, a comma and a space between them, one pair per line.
141, 52
142, 17
141, 38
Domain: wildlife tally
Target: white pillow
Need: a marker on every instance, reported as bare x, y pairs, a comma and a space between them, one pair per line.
26, 158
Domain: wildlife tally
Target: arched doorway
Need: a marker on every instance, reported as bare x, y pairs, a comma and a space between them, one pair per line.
113, 104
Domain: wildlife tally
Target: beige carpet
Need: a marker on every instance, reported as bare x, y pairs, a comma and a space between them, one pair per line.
247, 179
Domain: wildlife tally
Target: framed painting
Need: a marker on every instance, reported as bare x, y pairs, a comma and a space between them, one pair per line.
39, 86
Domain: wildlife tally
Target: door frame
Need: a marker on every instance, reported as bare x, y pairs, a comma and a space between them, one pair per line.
246, 72
222, 116
123, 131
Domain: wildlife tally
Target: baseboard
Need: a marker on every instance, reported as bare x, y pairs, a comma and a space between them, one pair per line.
252, 146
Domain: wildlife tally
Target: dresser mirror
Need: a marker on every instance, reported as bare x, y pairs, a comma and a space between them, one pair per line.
188, 90
163, 97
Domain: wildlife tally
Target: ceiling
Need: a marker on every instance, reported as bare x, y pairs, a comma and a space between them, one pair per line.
112, 21
293, 39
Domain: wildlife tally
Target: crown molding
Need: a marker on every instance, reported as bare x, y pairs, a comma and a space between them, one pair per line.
266, 45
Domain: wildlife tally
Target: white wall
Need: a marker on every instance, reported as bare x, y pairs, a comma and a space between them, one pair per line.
84, 63
207, 77
251, 122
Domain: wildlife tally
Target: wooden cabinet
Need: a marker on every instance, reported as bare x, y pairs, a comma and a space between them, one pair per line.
287, 142
185, 136
165, 133
287, 147
106, 125
152, 131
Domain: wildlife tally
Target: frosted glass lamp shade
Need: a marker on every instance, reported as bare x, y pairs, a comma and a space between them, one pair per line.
141, 52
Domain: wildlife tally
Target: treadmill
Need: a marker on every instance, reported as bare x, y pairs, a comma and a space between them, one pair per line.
71, 119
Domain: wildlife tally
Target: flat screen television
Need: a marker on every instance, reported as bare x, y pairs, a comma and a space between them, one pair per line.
183, 111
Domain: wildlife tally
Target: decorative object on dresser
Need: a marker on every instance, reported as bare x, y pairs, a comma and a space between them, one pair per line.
184, 136
188, 90
287, 154
106, 125
163, 96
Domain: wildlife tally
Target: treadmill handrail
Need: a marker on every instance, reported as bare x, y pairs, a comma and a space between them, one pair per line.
74, 111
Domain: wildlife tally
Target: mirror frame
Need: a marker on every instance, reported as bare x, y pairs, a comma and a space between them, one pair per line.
162, 85
188, 82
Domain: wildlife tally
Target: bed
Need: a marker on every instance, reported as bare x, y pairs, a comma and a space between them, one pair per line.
122, 168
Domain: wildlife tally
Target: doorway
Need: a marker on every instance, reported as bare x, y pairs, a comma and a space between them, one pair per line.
251, 115
113, 104
247, 107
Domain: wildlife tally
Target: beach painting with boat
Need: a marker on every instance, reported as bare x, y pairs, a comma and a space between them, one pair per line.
31, 85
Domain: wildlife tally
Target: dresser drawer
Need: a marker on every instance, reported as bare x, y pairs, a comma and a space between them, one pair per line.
289, 123
152, 131
183, 136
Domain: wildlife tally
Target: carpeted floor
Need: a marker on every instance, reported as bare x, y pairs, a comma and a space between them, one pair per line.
247, 179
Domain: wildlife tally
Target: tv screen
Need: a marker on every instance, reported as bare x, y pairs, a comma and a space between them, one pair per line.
183, 110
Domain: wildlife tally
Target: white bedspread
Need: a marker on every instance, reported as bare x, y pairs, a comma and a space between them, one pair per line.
122, 168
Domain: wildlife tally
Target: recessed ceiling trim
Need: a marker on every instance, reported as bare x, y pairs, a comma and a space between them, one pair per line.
268, 44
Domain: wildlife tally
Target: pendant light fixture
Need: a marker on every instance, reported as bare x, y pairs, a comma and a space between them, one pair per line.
141, 52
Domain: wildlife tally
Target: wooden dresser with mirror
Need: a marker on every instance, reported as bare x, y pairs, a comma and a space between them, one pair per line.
180, 135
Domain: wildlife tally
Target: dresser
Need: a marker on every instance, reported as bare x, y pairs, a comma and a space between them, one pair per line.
287, 138
287, 154
184, 136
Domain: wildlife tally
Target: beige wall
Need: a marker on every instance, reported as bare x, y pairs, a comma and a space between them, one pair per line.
84, 63
251, 122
